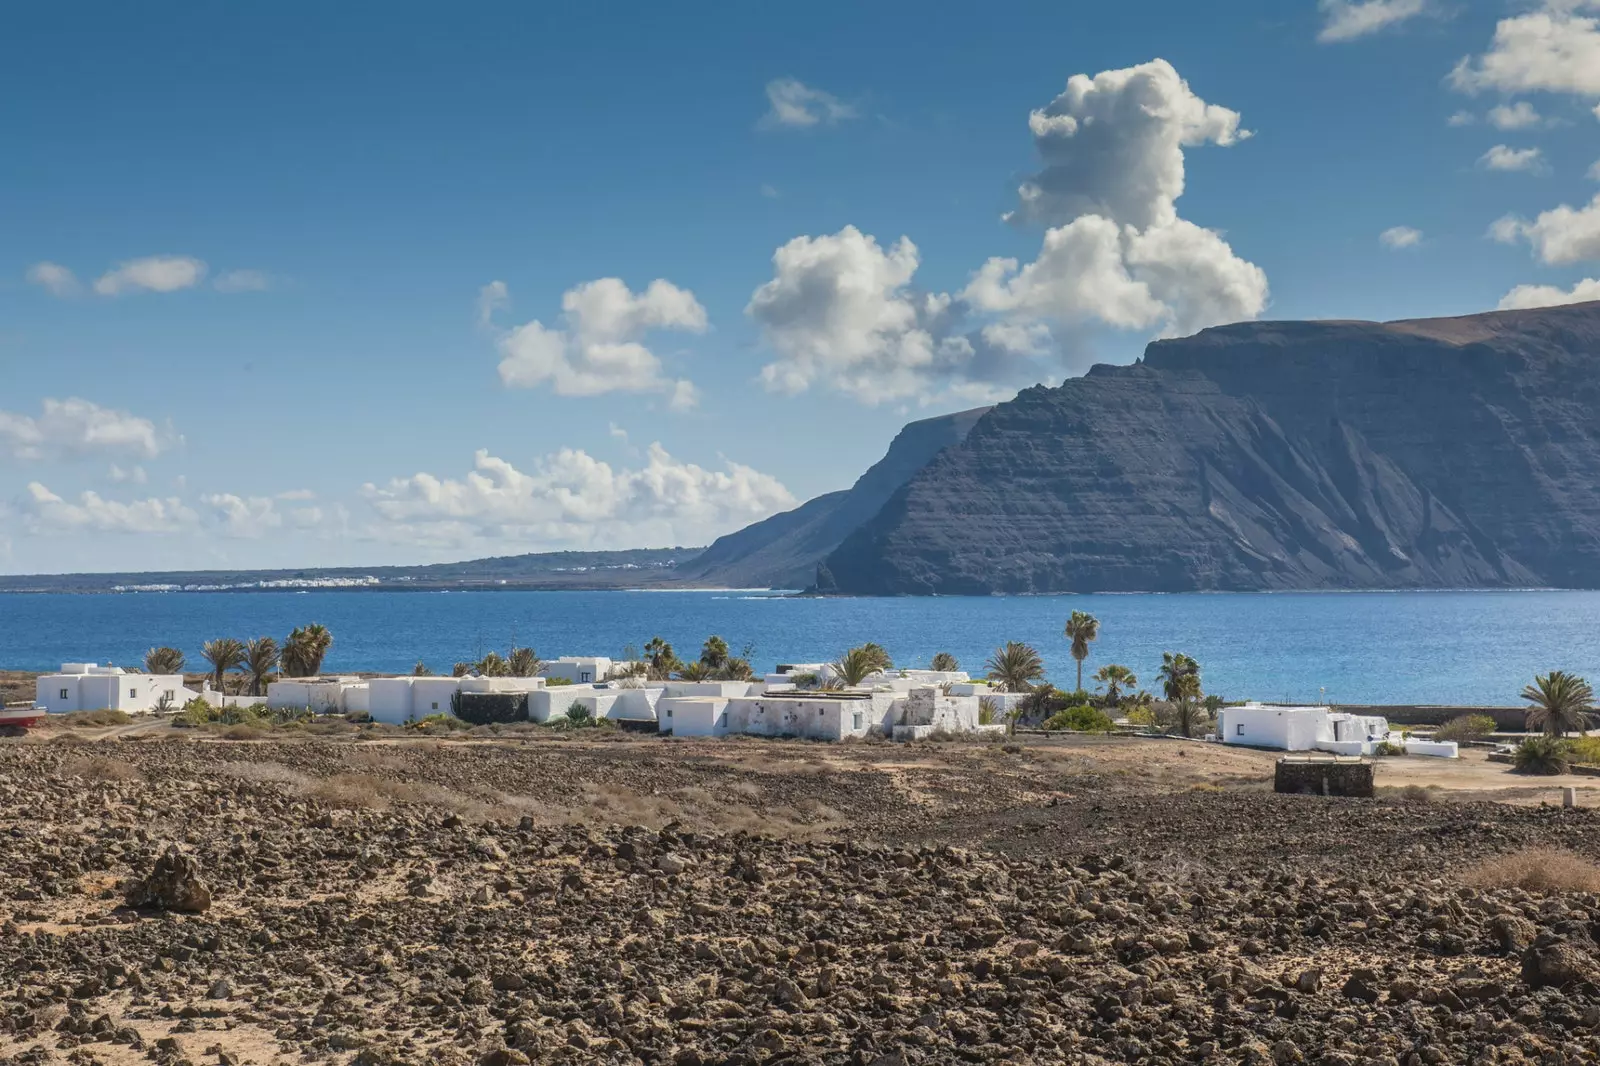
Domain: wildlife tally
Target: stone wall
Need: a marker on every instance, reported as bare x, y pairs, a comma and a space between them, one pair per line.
1323, 777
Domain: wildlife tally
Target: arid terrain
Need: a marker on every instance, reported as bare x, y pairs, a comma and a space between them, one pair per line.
644, 900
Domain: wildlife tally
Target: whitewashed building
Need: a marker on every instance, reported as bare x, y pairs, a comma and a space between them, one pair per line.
320, 695
397, 700
903, 712
92, 687
579, 669
1259, 725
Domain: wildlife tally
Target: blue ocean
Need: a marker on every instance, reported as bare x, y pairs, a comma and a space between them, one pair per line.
1375, 647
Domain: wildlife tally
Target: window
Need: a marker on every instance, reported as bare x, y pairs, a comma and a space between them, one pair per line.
669, 712
1240, 733
585, 676
64, 694
436, 705
133, 693
857, 723
820, 712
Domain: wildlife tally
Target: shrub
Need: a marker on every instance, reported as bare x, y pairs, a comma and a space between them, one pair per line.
1585, 749
91, 718
243, 732
1536, 870
579, 714
1082, 718
556, 682
1543, 755
1386, 748
988, 710
1142, 715
99, 768
196, 712
438, 723
1465, 728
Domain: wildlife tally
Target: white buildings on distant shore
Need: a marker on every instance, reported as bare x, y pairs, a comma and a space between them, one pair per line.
92, 687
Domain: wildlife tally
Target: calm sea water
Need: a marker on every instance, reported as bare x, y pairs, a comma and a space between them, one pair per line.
1404, 647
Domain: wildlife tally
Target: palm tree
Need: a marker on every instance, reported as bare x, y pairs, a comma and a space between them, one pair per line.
1015, 667
858, 664
1184, 691
260, 658
1115, 678
524, 662
303, 652
1082, 629
714, 653
945, 663
421, 670
1173, 666
224, 654
876, 654
163, 661
492, 665
663, 661
736, 668
695, 671
1562, 703
461, 670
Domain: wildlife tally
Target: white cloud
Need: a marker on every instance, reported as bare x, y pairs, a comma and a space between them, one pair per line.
599, 348
156, 273
55, 278
1552, 48
793, 104
1461, 118
492, 299
1558, 236
1594, 171
297, 494
1501, 157
1400, 237
44, 512
1524, 296
770, 192
841, 311
241, 516
242, 281
1517, 116
571, 499
135, 474
1346, 20
73, 428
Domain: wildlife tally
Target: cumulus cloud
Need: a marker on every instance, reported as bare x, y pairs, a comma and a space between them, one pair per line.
1524, 296
1562, 235
242, 281
1552, 48
43, 512
599, 346
1346, 20
155, 273
1516, 116
1400, 237
134, 474
54, 278
1501, 157
793, 104
571, 499
1461, 118
74, 428
843, 311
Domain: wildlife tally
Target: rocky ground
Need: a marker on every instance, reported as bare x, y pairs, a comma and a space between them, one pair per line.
767, 902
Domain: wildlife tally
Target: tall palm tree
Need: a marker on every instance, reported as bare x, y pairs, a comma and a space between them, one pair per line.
524, 662
1115, 678
305, 649
714, 653
1562, 703
663, 661
858, 664
1015, 667
695, 671
1175, 665
1082, 629
260, 659
945, 663
224, 654
421, 670
492, 665
163, 661
1184, 691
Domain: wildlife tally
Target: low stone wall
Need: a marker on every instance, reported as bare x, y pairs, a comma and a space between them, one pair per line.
1323, 777
486, 708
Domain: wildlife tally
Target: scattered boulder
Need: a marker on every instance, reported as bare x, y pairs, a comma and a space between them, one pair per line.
173, 884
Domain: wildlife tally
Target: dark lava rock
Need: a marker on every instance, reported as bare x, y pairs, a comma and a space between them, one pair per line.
173, 884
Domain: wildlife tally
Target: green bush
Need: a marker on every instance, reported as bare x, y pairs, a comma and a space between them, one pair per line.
579, 714
1465, 728
988, 710
1083, 718
197, 712
1386, 748
1543, 755
556, 682
438, 723
1142, 715
1585, 750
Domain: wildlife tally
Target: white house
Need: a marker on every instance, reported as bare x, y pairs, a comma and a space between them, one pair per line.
1316, 729
918, 711
321, 695
397, 700
579, 669
92, 687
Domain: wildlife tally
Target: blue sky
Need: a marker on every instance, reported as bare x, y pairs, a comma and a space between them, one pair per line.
268, 275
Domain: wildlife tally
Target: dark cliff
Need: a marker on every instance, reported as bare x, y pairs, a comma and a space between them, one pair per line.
783, 551
1278, 455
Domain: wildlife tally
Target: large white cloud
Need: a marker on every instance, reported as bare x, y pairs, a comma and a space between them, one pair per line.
1561, 235
571, 499
1345, 20
842, 311
74, 428
794, 104
255, 516
1553, 48
1524, 296
155, 273
599, 347
1516, 116
44, 512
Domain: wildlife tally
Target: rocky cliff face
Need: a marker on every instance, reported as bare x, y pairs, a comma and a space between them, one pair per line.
783, 551
1292, 455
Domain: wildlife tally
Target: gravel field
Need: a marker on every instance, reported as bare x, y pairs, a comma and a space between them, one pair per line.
652, 901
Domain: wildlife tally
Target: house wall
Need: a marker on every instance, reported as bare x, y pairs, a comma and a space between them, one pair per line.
579, 670
102, 690
812, 719
693, 716
431, 695
389, 699
636, 704
1285, 728
322, 697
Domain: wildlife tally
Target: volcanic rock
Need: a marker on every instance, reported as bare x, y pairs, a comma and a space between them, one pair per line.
173, 884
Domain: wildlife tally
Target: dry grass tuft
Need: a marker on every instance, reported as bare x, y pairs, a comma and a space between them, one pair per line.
99, 768
243, 732
89, 719
266, 773
1536, 870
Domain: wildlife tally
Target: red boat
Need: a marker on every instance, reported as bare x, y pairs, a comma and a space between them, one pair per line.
15, 721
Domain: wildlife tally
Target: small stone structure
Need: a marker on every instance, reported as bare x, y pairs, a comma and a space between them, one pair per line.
1323, 776
173, 885
487, 708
